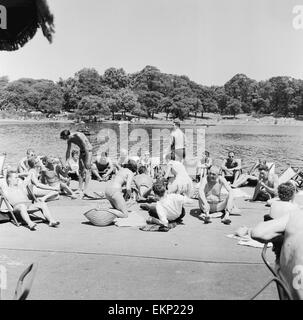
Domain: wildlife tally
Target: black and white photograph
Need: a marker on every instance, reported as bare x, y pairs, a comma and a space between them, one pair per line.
151, 151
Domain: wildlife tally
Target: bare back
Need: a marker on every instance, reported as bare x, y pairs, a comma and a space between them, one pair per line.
80, 140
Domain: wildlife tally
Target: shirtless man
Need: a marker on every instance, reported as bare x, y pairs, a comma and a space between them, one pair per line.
267, 186
103, 167
289, 264
177, 143
85, 159
231, 167
114, 189
144, 183
210, 200
17, 196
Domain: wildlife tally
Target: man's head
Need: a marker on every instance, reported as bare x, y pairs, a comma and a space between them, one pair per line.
64, 135
286, 191
159, 188
231, 155
49, 163
30, 154
12, 179
142, 170
103, 157
132, 166
177, 124
206, 154
263, 172
213, 174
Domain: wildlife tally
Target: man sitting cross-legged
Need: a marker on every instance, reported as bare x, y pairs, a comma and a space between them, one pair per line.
210, 199
17, 196
144, 184
170, 207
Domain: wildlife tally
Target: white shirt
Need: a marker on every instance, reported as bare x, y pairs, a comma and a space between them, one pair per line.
179, 138
170, 207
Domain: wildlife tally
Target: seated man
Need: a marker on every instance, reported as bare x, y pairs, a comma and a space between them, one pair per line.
18, 198
290, 261
203, 166
249, 178
146, 162
143, 183
72, 165
114, 189
103, 167
210, 199
231, 168
267, 186
51, 173
39, 189
23, 166
123, 159
170, 207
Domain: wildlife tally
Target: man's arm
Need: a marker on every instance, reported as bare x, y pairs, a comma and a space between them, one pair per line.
110, 169
33, 179
273, 190
69, 145
202, 195
224, 166
267, 231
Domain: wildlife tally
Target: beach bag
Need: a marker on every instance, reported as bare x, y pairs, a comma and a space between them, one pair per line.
100, 217
20, 20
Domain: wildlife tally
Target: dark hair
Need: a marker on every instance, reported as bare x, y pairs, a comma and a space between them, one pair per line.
263, 167
159, 188
75, 152
142, 169
286, 191
65, 134
131, 165
177, 123
206, 153
31, 163
104, 154
231, 152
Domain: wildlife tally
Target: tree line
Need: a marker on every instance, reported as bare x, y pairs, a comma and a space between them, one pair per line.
149, 92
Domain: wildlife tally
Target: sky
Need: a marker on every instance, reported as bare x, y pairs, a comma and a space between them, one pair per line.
207, 40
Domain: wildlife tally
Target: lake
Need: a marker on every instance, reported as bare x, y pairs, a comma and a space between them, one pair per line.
281, 144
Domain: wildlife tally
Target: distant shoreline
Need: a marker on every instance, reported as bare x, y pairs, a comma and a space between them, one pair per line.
209, 120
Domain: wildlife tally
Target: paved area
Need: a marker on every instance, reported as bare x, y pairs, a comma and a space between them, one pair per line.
80, 261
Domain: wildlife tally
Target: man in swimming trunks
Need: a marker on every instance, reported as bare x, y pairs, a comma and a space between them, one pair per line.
267, 186
114, 188
289, 263
210, 198
177, 143
144, 183
103, 167
85, 159
231, 168
17, 196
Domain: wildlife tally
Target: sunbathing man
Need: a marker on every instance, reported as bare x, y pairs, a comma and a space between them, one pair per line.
210, 199
114, 188
231, 168
267, 185
17, 196
39, 189
203, 166
23, 167
85, 159
144, 184
289, 263
170, 207
249, 178
181, 183
103, 167
72, 165
54, 177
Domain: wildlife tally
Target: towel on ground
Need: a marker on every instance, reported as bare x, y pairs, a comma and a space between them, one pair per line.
133, 220
158, 228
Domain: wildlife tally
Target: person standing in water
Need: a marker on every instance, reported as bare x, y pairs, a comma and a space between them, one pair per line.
85, 158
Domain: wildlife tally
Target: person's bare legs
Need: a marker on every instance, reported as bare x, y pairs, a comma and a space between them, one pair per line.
22, 210
66, 189
46, 213
236, 175
46, 195
87, 176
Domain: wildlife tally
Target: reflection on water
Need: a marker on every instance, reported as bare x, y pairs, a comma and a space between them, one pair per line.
278, 143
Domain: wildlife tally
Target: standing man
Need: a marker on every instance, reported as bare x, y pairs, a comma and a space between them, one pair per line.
85, 158
177, 143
